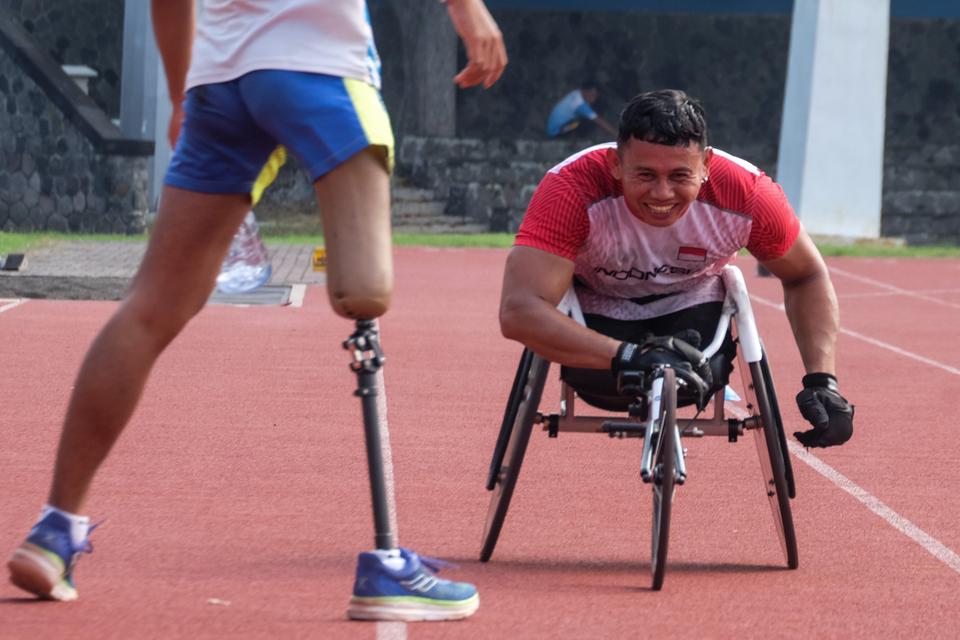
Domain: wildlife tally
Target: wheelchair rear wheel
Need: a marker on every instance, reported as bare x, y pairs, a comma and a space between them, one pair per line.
512, 444
781, 434
773, 461
664, 476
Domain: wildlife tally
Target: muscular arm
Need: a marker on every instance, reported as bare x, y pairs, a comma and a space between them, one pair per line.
533, 284
173, 24
810, 302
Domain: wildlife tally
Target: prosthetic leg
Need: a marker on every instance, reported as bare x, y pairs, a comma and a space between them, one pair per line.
368, 358
354, 203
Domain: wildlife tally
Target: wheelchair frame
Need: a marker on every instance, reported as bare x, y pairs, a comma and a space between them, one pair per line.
662, 460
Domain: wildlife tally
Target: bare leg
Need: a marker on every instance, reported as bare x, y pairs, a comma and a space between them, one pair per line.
187, 246
354, 202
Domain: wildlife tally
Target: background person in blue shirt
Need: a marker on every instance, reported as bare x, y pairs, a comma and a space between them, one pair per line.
574, 107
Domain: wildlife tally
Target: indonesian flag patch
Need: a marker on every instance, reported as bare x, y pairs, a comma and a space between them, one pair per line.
692, 254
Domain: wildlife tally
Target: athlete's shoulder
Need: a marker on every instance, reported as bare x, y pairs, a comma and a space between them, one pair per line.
588, 173
731, 181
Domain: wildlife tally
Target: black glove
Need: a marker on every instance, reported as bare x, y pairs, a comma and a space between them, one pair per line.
830, 414
677, 352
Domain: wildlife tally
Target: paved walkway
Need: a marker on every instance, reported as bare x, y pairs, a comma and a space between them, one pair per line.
83, 269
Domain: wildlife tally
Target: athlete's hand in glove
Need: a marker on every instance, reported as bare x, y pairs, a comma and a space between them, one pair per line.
830, 414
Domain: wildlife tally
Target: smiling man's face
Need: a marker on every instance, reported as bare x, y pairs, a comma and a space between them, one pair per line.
659, 181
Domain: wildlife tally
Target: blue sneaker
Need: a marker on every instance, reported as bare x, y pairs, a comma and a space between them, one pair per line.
410, 593
43, 564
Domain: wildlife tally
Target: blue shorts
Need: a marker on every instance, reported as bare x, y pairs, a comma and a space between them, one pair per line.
231, 128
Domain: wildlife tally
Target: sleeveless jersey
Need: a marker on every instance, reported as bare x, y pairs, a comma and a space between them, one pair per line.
627, 269
235, 37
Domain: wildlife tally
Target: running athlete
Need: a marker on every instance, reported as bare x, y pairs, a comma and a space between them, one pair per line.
257, 74
642, 228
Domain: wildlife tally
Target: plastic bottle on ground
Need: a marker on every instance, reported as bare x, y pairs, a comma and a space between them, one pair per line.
247, 265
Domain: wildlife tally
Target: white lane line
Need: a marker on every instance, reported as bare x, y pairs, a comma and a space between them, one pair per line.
933, 546
877, 343
892, 288
391, 631
11, 304
903, 352
889, 294
297, 294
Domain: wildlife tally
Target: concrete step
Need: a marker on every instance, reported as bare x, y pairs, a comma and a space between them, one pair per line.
412, 194
441, 228
426, 218
405, 208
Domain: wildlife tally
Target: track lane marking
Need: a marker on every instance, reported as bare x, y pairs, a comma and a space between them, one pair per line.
930, 544
391, 631
877, 343
12, 304
892, 288
890, 294
297, 293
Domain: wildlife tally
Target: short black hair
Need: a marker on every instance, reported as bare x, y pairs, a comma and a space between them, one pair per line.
666, 116
588, 84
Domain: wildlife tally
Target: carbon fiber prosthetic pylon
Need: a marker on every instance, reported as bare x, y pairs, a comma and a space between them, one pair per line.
368, 358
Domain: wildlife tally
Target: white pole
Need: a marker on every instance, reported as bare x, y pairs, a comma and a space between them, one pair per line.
831, 141
144, 105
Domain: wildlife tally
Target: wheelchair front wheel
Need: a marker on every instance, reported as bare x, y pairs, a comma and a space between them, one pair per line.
515, 434
664, 476
773, 464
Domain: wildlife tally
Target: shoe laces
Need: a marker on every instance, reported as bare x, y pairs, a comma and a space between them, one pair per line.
436, 564
87, 546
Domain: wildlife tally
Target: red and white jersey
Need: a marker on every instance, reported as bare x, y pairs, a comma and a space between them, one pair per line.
627, 269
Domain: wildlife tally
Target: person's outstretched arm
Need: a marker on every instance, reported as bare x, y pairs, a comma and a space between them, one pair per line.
812, 309
173, 25
606, 126
486, 54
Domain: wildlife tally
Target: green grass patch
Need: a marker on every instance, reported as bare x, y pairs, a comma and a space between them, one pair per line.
868, 251
453, 240
24, 242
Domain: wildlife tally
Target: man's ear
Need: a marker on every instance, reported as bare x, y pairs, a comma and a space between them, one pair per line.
613, 161
707, 155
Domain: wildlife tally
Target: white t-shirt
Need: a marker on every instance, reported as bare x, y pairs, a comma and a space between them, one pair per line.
235, 37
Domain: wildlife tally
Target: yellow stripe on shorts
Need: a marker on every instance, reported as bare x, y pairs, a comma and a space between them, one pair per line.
268, 174
372, 115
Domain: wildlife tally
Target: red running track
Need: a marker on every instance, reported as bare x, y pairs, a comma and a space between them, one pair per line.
237, 499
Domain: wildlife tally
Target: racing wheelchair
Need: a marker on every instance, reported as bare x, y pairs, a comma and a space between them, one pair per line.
651, 397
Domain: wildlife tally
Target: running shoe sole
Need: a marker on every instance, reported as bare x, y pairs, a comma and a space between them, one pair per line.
410, 609
40, 572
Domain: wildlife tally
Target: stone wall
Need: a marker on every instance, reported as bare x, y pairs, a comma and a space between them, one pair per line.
86, 32
736, 64
63, 165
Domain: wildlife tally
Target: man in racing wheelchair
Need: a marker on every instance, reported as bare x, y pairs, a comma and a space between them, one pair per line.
643, 228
